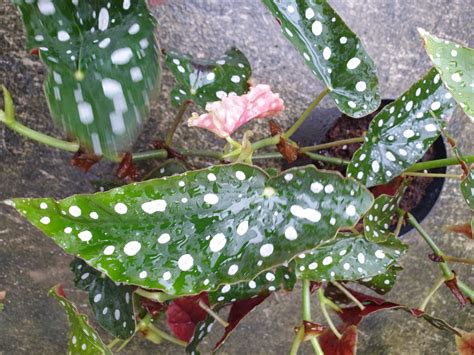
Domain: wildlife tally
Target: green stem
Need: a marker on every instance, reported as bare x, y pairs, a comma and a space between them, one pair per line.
8, 117
166, 336
39, 137
163, 154
432, 164
332, 144
177, 120
322, 303
297, 341
72, 147
270, 155
113, 343
325, 159
213, 314
429, 296
455, 259
349, 295
306, 114
306, 295
154, 295
433, 175
447, 273
266, 142
151, 154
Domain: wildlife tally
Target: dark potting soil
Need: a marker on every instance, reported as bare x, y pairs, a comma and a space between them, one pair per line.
347, 127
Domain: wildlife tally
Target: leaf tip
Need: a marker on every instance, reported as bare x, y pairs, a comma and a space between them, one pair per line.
423, 33
10, 203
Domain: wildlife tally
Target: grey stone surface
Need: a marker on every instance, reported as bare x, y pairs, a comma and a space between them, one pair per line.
31, 264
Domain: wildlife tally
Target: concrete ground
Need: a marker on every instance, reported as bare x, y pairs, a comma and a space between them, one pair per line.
31, 264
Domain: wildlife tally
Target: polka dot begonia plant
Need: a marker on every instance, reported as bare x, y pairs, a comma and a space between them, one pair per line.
186, 239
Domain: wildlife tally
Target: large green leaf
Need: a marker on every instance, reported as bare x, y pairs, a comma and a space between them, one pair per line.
402, 132
378, 220
83, 339
111, 303
467, 188
332, 51
203, 81
456, 66
349, 259
197, 231
103, 63
265, 283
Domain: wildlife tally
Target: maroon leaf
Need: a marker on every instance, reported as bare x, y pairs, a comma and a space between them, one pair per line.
127, 170
453, 286
354, 315
464, 229
184, 313
84, 161
238, 311
387, 189
154, 308
465, 343
347, 345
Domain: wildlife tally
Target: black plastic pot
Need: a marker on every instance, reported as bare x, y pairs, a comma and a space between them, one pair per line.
314, 131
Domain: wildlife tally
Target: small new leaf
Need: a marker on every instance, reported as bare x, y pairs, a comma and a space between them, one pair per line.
378, 220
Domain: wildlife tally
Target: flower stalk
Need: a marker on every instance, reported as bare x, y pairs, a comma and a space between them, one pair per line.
306, 114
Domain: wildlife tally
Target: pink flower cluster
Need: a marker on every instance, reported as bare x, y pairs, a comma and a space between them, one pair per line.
226, 116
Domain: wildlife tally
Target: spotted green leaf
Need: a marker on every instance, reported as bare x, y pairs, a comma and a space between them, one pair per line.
402, 132
197, 231
378, 220
467, 188
203, 81
103, 67
110, 302
349, 259
202, 330
269, 281
83, 339
456, 66
332, 51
